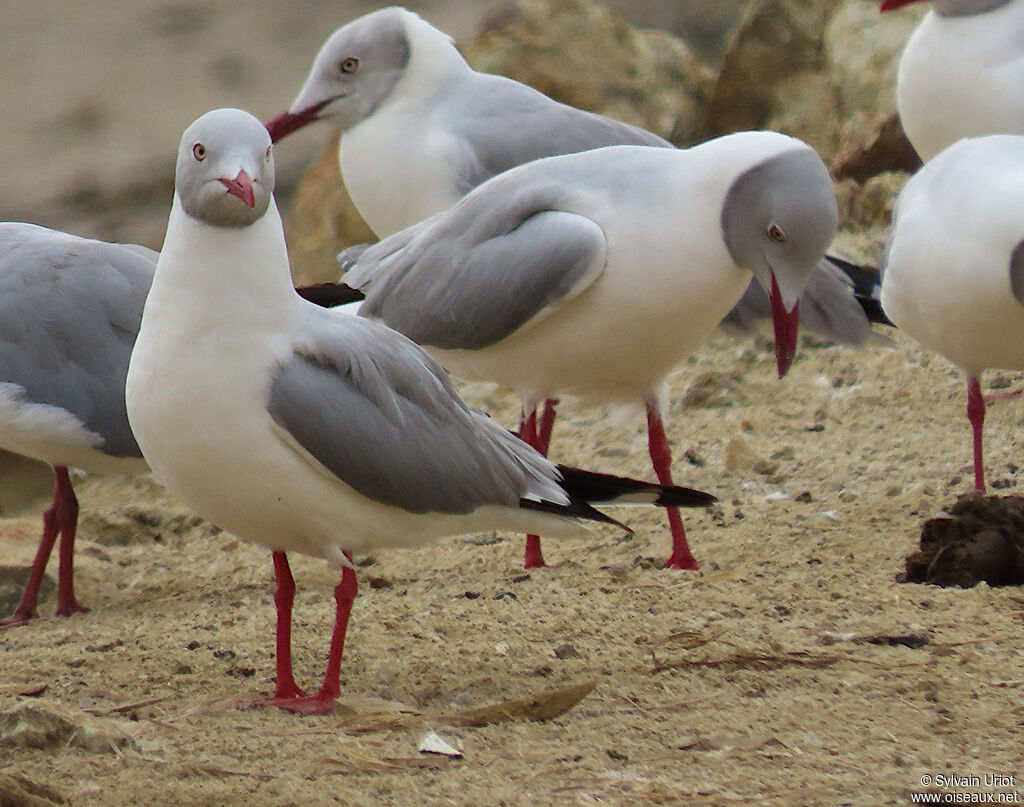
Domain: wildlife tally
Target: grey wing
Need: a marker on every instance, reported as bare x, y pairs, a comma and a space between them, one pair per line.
70, 310
828, 307
505, 124
382, 416
502, 257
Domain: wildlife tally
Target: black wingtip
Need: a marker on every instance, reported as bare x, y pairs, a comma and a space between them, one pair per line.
597, 487
675, 496
329, 295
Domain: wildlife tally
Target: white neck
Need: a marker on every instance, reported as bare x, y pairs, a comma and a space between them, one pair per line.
208, 275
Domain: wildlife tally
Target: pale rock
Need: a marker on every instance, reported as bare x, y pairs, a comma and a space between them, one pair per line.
581, 53
773, 74
862, 51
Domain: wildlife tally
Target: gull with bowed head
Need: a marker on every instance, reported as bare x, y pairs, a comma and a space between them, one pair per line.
69, 311
961, 73
308, 431
953, 275
594, 274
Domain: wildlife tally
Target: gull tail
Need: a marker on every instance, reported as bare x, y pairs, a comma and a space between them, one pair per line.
839, 303
867, 288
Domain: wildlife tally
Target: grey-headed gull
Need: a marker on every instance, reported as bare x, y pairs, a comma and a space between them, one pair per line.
420, 128
69, 311
309, 431
961, 73
594, 274
953, 276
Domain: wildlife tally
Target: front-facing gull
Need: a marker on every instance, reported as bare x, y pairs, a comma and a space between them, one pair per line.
594, 274
309, 431
961, 73
69, 312
421, 128
954, 269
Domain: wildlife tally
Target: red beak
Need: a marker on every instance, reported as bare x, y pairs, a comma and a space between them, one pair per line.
889, 5
786, 326
286, 123
241, 186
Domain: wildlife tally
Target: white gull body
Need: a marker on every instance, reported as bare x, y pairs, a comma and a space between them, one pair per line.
594, 274
421, 128
69, 311
304, 430
954, 270
962, 73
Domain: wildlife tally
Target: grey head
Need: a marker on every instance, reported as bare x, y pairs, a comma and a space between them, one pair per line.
952, 8
353, 73
225, 170
778, 219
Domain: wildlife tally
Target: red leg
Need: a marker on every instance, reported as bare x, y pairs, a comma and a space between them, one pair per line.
66, 506
976, 416
547, 423
284, 596
661, 458
28, 606
323, 702
344, 595
533, 558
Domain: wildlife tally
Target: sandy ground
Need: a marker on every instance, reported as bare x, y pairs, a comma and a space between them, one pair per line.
778, 674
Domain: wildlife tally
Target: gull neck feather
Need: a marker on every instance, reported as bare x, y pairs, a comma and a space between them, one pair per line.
244, 270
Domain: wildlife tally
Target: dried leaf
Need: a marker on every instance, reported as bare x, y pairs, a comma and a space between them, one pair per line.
543, 706
24, 690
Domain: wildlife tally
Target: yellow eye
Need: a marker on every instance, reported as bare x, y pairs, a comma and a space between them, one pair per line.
199, 151
349, 65
776, 233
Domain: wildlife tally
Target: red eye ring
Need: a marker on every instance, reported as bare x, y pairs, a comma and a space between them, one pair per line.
348, 65
776, 233
199, 151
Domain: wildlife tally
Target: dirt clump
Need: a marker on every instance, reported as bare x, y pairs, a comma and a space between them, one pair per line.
981, 539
